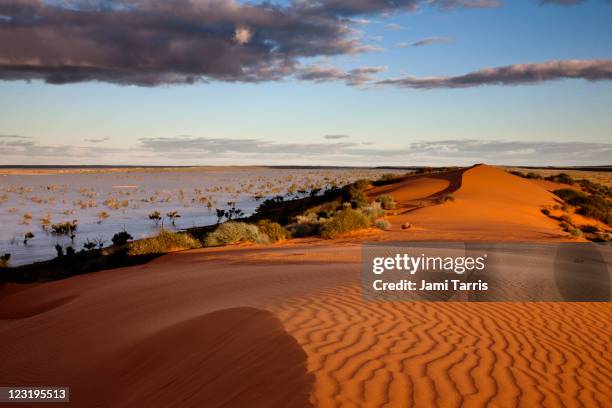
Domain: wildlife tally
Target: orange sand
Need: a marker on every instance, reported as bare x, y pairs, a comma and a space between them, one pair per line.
284, 325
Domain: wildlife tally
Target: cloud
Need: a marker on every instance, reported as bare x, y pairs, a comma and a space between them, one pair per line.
516, 152
28, 150
450, 151
336, 137
431, 40
154, 42
518, 74
394, 27
354, 77
102, 140
188, 150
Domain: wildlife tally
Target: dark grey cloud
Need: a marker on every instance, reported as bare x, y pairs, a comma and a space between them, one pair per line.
153, 42
430, 41
336, 137
353, 77
591, 70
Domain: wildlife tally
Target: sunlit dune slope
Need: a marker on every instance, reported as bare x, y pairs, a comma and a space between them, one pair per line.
259, 324
484, 203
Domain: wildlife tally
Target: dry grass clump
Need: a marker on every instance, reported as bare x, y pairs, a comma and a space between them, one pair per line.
273, 230
386, 201
345, 221
382, 224
164, 242
234, 232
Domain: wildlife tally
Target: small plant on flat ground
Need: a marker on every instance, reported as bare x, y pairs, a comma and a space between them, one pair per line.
163, 242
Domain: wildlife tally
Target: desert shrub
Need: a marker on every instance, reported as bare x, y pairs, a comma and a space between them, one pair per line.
593, 206
571, 196
27, 236
406, 225
545, 211
163, 242
155, 216
356, 197
88, 245
382, 224
121, 238
373, 211
516, 173
234, 232
344, 221
362, 184
273, 230
64, 228
301, 230
599, 237
532, 175
589, 229
562, 178
595, 188
575, 232
4, 260
565, 226
386, 201
596, 212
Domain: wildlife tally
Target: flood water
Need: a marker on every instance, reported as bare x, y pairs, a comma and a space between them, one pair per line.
108, 201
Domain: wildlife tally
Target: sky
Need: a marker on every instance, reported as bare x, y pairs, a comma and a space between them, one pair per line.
329, 82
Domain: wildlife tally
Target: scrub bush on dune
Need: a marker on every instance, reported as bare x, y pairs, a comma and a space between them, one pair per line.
273, 230
373, 211
345, 221
4, 260
382, 224
593, 206
163, 242
234, 232
386, 201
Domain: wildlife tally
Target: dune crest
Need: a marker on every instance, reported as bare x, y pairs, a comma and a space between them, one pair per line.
486, 203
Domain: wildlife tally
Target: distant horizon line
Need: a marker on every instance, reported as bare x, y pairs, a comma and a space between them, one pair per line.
604, 167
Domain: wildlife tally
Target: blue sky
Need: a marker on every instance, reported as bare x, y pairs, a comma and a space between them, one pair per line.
285, 120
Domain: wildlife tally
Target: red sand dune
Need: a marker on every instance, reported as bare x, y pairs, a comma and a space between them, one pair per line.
489, 204
284, 326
